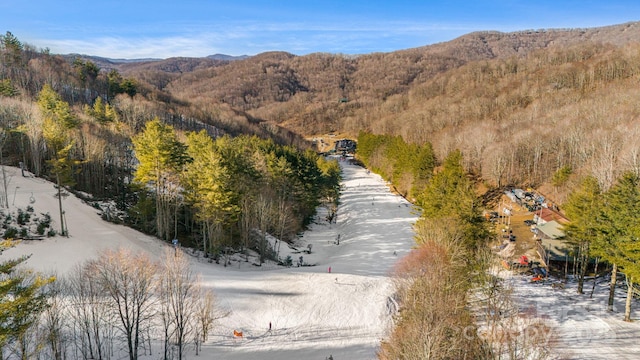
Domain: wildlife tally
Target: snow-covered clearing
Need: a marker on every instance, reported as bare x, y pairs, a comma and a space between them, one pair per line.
316, 313
582, 327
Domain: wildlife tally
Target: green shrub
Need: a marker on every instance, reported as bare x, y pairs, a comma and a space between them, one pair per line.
288, 261
561, 176
10, 233
23, 217
41, 228
43, 224
7, 221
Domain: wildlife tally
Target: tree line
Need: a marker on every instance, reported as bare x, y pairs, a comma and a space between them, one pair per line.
518, 113
227, 192
435, 279
407, 166
206, 192
604, 229
118, 304
517, 117
97, 144
445, 284
451, 305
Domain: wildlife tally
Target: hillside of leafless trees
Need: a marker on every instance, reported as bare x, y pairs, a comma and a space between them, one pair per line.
520, 106
523, 108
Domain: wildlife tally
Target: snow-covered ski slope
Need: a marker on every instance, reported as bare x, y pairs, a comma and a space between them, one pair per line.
314, 313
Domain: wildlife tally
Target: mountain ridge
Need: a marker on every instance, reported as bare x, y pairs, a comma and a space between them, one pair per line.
485, 93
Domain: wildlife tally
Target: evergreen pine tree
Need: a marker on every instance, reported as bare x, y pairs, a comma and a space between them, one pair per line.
450, 195
161, 157
584, 207
56, 130
621, 245
21, 300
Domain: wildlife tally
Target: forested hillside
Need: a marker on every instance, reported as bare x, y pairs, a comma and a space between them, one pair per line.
523, 108
145, 159
520, 106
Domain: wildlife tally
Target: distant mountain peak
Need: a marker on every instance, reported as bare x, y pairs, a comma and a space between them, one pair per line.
227, 57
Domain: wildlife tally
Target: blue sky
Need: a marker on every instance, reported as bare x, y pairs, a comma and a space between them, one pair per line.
161, 29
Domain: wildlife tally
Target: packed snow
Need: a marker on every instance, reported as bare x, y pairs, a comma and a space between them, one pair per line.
339, 303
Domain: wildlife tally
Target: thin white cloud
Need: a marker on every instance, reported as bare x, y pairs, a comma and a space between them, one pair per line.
197, 28
249, 38
113, 47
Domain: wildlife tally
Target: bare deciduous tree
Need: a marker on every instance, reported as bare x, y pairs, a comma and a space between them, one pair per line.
206, 314
246, 223
604, 163
128, 280
88, 312
496, 166
263, 212
432, 287
54, 321
178, 291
